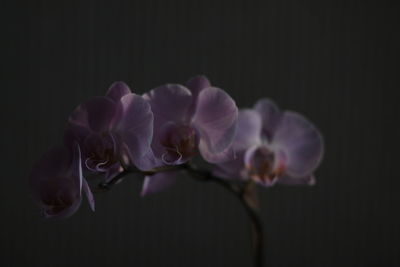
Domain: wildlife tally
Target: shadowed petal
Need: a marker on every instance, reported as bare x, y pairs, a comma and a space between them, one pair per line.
215, 119
248, 131
135, 126
170, 102
231, 169
158, 182
270, 115
117, 90
301, 143
56, 181
176, 143
96, 114
197, 83
75, 133
88, 193
147, 162
211, 157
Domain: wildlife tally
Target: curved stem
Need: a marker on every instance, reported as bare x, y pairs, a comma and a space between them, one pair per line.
203, 175
252, 213
257, 234
107, 185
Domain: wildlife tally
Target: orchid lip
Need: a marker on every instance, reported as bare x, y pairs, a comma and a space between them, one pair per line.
264, 165
180, 141
165, 155
102, 152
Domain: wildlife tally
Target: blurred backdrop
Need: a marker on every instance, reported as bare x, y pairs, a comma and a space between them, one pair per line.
336, 62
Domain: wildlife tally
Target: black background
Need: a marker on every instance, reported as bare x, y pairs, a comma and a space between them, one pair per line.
334, 61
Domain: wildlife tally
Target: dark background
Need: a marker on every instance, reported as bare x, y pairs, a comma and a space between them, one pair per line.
334, 61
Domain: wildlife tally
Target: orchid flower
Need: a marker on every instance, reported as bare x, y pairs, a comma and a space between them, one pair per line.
189, 119
57, 182
274, 146
113, 131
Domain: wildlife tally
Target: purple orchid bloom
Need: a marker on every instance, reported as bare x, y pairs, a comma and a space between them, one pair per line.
274, 147
189, 119
113, 131
57, 182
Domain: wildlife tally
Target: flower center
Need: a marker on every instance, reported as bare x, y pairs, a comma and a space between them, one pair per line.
180, 142
100, 151
262, 165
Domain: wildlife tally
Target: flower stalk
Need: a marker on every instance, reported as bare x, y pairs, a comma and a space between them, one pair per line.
245, 194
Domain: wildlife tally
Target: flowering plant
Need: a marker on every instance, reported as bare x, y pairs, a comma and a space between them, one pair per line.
159, 134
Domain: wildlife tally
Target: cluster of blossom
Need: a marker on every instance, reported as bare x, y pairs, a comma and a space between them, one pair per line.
167, 126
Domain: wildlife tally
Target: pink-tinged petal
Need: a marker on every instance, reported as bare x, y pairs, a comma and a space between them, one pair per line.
197, 83
270, 115
89, 195
117, 90
212, 157
170, 102
288, 180
232, 169
96, 114
148, 162
300, 142
215, 119
248, 131
135, 126
158, 182
56, 181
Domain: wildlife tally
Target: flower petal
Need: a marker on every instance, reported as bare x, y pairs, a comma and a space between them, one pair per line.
231, 169
56, 181
158, 182
248, 134
197, 83
75, 133
96, 114
117, 90
270, 115
170, 102
89, 194
212, 157
147, 161
248, 131
301, 143
215, 119
135, 125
